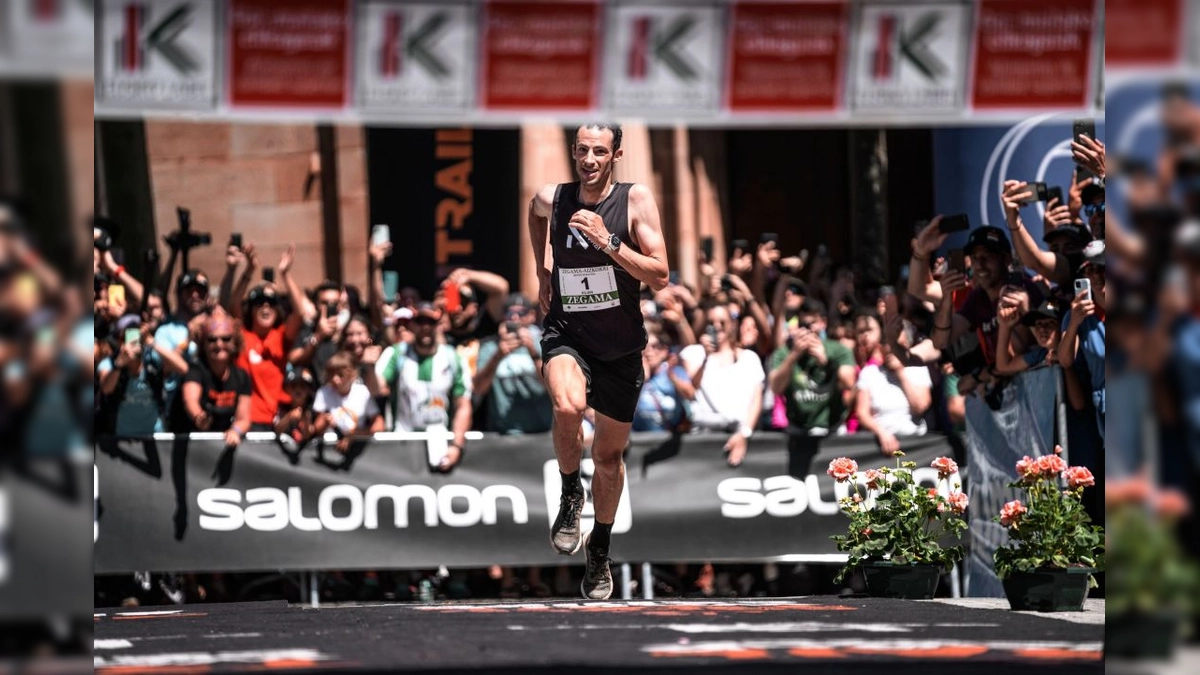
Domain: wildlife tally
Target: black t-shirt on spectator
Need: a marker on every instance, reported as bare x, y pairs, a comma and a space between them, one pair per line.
320, 355
219, 398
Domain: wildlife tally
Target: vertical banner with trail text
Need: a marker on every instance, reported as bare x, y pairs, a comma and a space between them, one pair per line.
415, 55
664, 57
540, 55
910, 56
445, 213
288, 53
1033, 53
157, 54
787, 56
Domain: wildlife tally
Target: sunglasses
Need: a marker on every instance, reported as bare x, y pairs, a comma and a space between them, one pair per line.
1090, 210
214, 339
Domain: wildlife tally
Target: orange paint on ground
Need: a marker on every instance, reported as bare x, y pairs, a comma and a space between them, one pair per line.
950, 652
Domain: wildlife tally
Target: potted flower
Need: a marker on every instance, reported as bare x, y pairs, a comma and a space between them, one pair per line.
1057, 548
897, 525
1151, 585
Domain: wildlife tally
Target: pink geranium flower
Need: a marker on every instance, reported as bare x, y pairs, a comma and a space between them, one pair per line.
946, 467
874, 479
1051, 465
1079, 476
1011, 513
842, 468
958, 502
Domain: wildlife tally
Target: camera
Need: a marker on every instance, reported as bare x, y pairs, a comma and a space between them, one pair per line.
726, 284
101, 239
184, 239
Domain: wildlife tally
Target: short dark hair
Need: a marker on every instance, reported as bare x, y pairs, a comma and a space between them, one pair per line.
601, 126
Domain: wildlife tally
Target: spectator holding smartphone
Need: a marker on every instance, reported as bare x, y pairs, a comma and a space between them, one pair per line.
131, 383
1083, 331
508, 380
728, 381
890, 399
318, 340
663, 402
295, 424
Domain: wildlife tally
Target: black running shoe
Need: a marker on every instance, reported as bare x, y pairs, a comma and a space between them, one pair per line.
597, 577
565, 535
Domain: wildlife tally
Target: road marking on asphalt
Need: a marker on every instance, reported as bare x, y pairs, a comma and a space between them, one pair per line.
111, 644
209, 658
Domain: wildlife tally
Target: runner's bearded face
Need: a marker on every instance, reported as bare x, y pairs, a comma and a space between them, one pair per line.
594, 156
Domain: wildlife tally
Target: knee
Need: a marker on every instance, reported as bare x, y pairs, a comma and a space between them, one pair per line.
608, 459
569, 405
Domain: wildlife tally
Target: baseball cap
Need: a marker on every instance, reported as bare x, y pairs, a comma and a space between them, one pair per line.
1047, 310
300, 376
519, 300
428, 310
991, 238
1072, 231
128, 321
262, 293
1093, 254
1090, 192
192, 278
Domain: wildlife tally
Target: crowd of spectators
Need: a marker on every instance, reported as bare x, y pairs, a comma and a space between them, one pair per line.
762, 341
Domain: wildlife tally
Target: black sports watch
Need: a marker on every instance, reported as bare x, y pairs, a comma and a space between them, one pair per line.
614, 243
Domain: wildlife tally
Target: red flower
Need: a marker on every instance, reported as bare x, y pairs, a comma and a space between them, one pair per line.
945, 466
1079, 476
1051, 465
842, 468
958, 502
1012, 512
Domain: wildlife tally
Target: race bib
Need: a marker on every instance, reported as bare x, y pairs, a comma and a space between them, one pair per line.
587, 289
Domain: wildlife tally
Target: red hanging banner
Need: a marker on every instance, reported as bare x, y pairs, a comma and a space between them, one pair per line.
288, 53
1033, 53
787, 56
1149, 33
540, 55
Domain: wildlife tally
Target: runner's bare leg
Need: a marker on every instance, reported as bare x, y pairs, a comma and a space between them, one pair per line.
608, 451
568, 393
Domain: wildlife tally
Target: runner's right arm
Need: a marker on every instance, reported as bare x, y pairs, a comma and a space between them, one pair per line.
539, 234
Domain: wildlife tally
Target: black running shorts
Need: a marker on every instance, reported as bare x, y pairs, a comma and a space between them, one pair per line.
613, 386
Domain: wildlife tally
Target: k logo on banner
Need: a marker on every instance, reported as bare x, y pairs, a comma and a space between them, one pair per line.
415, 55
667, 57
910, 56
158, 53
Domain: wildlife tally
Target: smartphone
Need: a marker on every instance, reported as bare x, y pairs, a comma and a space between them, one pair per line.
769, 237
331, 309
235, 239
1085, 126
673, 277
726, 284
380, 234
269, 274
711, 332
739, 245
1055, 192
956, 260
706, 247
391, 285
1038, 192
453, 298
133, 336
1083, 286
116, 294
118, 255
512, 327
954, 223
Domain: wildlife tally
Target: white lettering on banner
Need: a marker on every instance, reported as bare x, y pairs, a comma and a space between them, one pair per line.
786, 496
272, 509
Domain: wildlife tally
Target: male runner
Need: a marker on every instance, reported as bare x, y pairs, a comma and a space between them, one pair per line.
606, 241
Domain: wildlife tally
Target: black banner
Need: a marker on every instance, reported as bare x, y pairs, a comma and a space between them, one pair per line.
451, 198
192, 505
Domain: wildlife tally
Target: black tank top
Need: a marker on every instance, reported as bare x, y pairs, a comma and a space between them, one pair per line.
596, 303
